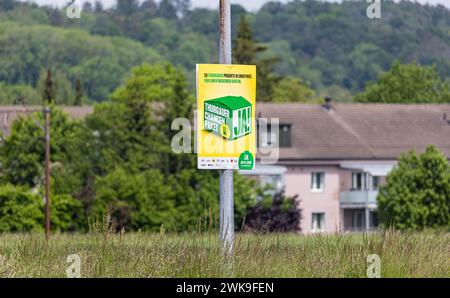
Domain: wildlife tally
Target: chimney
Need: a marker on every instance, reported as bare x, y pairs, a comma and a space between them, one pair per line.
327, 105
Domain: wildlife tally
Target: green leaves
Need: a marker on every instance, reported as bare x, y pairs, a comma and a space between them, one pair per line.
327, 44
18, 94
66, 213
248, 51
100, 62
290, 89
136, 201
20, 209
23, 150
408, 83
417, 193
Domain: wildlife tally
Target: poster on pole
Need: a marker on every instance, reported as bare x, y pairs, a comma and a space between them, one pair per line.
226, 126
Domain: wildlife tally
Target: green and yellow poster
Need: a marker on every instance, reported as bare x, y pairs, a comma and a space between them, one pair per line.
226, 127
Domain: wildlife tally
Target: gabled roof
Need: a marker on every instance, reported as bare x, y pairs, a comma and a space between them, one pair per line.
346, 132
360, 131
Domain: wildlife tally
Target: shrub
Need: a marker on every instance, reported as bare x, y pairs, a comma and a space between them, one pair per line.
417, 193
20, 209
135, 201
66, 213
276, 213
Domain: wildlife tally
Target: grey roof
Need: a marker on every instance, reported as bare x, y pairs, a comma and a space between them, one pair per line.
9, 113
346, 132
360, 131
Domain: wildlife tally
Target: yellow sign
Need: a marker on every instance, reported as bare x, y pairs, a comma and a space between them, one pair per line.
226, 126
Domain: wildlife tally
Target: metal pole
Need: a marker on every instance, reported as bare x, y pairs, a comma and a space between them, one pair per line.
226, 176
47, 172
225, 32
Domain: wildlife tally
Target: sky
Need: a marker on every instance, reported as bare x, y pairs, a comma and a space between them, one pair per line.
251, 5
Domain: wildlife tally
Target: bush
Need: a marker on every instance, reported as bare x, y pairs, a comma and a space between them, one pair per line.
66, 213
20, 209
275, 213
135, 201
23, 151
188, 200
417, 193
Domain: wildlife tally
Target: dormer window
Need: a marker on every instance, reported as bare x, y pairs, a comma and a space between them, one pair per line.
285, 136
271, 138
268, 139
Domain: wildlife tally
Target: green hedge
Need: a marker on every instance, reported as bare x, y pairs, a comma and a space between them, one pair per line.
22, 210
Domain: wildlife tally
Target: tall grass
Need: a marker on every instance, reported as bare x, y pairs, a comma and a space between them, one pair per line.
107, 254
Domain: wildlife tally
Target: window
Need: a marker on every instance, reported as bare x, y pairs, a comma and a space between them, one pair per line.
375, 182
285, 135
364, 181
272, 138
318, 222
317, 181
269, 139
358, 220
275, 181
357, 181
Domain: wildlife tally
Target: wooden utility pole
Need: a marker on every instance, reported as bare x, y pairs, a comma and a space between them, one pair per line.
47, 172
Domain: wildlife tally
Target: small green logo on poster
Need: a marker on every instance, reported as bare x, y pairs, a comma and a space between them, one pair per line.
246, 161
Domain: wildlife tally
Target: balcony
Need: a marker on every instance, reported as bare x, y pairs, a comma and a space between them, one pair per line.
358, 198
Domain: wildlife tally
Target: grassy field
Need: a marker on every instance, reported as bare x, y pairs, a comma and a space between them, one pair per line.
423, 254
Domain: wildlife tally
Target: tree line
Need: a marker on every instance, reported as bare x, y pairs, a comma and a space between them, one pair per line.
118, 162
309, 47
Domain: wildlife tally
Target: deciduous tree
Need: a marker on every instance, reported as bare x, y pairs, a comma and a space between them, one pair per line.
407, 83
417, 192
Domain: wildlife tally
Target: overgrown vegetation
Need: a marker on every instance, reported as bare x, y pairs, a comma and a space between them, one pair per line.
103, 254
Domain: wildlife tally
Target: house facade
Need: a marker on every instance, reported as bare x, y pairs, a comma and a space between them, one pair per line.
334, 157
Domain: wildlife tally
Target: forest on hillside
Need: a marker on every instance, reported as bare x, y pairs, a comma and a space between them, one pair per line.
330, 48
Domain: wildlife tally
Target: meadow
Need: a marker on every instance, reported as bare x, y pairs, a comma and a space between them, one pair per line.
106, 254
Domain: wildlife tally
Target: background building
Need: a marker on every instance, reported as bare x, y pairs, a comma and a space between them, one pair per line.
335, 156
